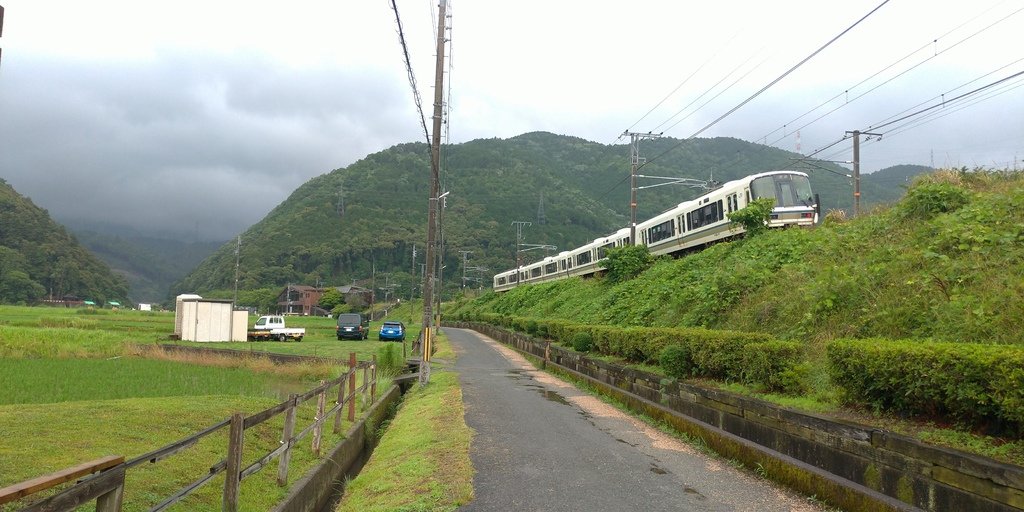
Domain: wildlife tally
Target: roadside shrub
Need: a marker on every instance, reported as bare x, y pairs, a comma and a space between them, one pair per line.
775, 365
542, 331
719, 354
976, 384
582, 341
676, 361
531, 327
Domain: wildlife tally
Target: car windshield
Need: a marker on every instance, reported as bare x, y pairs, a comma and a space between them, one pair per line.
392, 325
348, 319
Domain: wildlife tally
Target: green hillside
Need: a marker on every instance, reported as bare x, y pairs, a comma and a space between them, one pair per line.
944, 263
339, 226
149, 264
39, 259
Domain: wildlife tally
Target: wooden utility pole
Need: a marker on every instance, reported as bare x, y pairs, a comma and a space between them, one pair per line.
435, 166
635, 161
856, 167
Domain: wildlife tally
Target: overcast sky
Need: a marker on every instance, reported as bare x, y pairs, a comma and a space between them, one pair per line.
201, 116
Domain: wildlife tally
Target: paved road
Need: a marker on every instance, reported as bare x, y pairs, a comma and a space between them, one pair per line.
541, 444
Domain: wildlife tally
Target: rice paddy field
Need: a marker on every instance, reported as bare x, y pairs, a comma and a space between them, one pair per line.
78, 385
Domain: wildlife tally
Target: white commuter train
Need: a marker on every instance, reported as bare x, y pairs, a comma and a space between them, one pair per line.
689, 225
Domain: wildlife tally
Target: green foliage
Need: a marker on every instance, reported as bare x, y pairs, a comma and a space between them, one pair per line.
263, 299
531, 327
755, 216
389, 358
627, 262
775, 366
38, 258
929, 199
331, 298
582, 341
676, 361
980, 385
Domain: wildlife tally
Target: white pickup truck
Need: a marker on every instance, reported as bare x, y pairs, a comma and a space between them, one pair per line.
271, 327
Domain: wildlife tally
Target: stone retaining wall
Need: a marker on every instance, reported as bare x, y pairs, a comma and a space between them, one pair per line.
852, 466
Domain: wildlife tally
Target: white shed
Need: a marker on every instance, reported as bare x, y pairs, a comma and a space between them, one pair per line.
178, 311
211, 320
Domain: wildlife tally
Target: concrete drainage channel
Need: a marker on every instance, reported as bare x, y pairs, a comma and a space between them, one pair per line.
322, 488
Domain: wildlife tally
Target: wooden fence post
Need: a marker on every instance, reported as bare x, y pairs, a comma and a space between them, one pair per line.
351, 386
318, 422
366, 384
232, 475
373, 380
286, 438
111, 500
341, 404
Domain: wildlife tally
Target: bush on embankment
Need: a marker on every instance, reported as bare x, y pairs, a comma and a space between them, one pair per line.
976, 384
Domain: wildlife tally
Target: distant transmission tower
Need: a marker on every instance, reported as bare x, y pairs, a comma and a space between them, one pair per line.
542, 218
341, 201
798, 151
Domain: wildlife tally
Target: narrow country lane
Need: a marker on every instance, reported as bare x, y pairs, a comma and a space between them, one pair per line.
541, 444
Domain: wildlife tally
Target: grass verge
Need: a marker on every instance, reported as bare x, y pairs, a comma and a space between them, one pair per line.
422, 462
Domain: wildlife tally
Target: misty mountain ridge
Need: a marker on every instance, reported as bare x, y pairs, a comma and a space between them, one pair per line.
364, 219
40, 260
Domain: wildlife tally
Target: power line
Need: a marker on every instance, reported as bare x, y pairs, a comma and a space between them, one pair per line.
902, 72
770, 84
886, 68
412, 77
669, 95
723, 91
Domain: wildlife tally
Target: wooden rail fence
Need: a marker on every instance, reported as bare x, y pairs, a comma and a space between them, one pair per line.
103, 479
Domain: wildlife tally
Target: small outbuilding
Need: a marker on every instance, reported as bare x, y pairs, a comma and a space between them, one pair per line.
209, 320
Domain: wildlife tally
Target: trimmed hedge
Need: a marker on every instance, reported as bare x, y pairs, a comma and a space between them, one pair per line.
752, 358
981, 385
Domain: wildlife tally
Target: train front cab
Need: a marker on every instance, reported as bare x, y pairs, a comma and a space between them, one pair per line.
795, 203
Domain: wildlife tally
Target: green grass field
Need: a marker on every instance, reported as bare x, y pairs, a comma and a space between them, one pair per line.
77, 387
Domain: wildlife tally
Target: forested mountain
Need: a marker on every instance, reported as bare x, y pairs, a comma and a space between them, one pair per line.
39, 259
339, 226
149, 264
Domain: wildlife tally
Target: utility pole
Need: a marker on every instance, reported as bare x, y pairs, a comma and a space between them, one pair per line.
856, 167
464, 257
435, 166
238, 251
1, 23
519, 238
635, 161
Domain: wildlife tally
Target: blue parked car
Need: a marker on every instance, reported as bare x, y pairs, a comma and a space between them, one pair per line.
392, 331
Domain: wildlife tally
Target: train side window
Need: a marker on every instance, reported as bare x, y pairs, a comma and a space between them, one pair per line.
721, 213
551, 268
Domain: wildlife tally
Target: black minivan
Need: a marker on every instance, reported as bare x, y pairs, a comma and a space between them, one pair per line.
353, 326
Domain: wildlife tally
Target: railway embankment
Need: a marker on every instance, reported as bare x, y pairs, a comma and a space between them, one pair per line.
855, 467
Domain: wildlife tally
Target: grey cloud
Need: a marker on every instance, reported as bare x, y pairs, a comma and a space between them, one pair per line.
185, 137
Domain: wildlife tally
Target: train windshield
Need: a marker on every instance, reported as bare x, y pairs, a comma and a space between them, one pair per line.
785, 189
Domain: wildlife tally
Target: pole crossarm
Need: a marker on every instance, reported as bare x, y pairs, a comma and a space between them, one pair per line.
669, 180
530, 247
